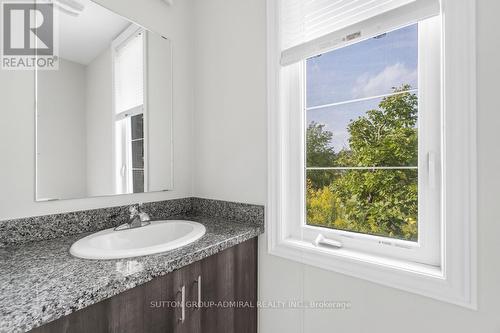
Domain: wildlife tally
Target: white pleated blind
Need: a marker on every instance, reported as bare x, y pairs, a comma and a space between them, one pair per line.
311, 27
129, 74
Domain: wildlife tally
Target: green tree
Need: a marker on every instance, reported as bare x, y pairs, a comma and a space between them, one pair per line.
382, 202
386, 136
319, 153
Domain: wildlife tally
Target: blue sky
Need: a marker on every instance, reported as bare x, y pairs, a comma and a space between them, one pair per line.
368, 68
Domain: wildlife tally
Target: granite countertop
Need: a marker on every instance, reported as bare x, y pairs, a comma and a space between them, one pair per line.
41, 281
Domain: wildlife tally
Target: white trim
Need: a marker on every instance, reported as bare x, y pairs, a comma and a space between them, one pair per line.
460, 146
130, 112
145, 122
455, 280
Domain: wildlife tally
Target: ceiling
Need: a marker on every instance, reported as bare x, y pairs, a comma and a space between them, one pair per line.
82, 38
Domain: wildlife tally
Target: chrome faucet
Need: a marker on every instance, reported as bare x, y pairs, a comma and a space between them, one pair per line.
138, 218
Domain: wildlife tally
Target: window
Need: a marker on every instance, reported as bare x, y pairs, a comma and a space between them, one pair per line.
137, 150
365, 150
362, 136
371, 127
370, 148
129, 92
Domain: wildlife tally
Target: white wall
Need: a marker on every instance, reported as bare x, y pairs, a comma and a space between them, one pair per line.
17, 137
159, 113
99, 125
230, 131
230, 119
61, 163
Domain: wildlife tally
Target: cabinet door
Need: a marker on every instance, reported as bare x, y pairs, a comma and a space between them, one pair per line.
174, 313
159, 314
147, 308
229, 290
125, 312
187, 278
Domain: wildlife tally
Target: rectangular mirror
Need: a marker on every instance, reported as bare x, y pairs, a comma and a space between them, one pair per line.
104, 117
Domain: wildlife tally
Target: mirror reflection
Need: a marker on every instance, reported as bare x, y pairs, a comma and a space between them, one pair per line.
104, 117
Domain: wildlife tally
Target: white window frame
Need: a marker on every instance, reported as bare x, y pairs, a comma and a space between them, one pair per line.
451, 274
122, 129
426, 250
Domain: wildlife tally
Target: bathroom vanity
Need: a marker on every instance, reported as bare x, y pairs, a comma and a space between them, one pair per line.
216, 294
209, 285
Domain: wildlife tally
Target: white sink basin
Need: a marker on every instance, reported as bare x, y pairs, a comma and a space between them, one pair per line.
159, 236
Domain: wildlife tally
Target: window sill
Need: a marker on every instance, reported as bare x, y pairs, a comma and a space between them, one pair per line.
425, 280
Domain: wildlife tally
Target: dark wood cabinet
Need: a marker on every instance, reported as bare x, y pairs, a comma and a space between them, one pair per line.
226, 280
217, 294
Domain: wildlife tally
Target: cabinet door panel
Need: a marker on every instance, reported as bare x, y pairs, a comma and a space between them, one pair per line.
159, 315
245, 287
230, 290
218, 287
187, 277
126, 311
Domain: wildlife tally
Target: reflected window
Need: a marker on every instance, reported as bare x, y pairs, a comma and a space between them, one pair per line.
129, 109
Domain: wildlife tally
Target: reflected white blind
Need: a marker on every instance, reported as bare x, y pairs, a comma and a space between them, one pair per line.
129, 74
312, 27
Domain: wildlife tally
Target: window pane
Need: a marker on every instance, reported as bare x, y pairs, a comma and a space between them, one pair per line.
376, 202
365, 69
138, 154
375, 132
138, 180
137, 126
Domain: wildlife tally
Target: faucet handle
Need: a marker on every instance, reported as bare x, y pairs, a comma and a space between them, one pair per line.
144, 217
134, 210
142, 214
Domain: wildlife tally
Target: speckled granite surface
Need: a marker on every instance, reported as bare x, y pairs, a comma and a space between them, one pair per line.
41, 281
38, 228
230, 210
